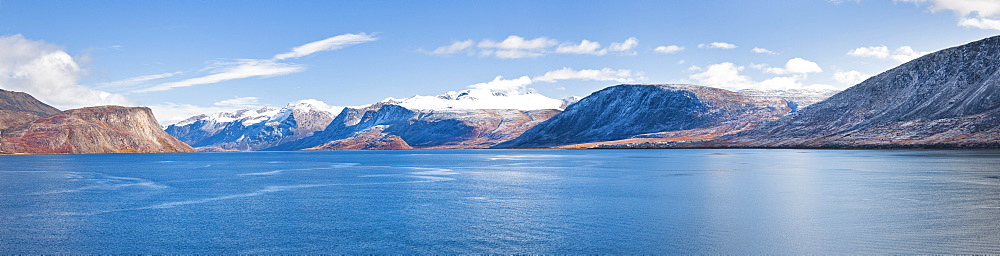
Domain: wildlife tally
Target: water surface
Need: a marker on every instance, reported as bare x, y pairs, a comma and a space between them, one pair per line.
503, 201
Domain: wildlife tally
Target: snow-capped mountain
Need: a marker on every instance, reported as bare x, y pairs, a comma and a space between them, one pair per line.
248, 129
390, 126
797, 98
497, 94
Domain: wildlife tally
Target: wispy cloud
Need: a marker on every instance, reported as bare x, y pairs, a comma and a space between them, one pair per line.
456, 47
329, 44
667, 49
246, 68
138, 80
762, 50
717, 45
605, 74
585, 47
239, 102
225, 71
517, 47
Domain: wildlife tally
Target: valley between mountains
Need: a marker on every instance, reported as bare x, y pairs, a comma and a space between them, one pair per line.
946, 99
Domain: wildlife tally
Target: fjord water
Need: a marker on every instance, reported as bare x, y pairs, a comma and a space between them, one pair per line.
503, 201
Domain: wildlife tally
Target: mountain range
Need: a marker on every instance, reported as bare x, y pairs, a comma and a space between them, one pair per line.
946, 99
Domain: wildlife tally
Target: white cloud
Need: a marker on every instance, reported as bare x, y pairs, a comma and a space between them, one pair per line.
727, 75
980, 23
246, 68
901, 54
605, 74
511, 86
880, 52
718, 45
517, 47
963, 7
585, 47
519, 43
138, 80
851, 77
982, 14
906, 53
762, 50
628, 45
515, 54
49, 74
462, 46
225, 71
667, 49
239, 102
794, 66
723, 75
329, 44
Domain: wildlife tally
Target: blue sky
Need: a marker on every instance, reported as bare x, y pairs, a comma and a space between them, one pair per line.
184, 57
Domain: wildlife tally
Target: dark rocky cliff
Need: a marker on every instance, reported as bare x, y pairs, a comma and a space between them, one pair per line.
950, 98
652, 111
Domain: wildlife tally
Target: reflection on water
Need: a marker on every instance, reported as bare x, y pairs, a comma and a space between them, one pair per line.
504, 202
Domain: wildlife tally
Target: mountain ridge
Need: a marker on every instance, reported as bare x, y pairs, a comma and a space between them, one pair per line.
101, 129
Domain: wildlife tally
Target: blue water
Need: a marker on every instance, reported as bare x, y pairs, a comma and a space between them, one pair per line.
503, 201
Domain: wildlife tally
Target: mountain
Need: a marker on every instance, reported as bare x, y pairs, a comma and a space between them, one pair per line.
797, 98
635, 112
497, 94
18, 108
254, 129
105, 129
390, 126
950, 98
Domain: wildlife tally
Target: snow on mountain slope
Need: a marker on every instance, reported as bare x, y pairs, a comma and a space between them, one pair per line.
248, 129
797, 98
496, 94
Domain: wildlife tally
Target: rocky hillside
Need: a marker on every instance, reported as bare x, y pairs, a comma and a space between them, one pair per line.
652, 113
254, 129
950, 98
389, 126
105, 129
18, 108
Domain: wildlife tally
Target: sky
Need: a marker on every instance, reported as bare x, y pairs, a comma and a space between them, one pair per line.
183, 58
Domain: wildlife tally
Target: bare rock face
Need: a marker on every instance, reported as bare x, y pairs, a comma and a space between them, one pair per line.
105, 129
652, 113
950, 98
423, 129
373, 138
18, 108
